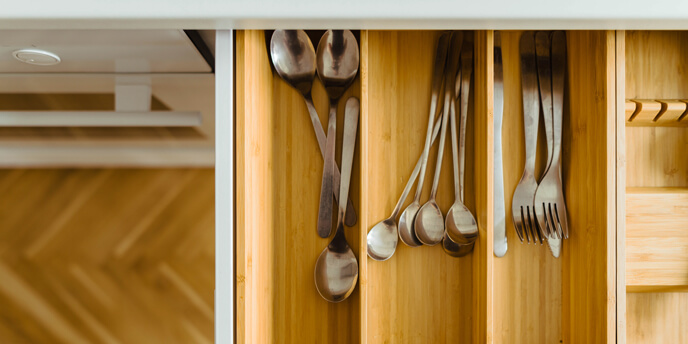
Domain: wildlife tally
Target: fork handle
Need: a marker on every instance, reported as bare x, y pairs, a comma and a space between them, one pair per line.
531, 101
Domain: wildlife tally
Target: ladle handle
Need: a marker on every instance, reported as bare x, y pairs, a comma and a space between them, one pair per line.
466, 71
351, 217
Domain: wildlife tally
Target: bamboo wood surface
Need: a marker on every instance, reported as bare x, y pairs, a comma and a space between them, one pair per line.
621, 187
589, 169
655, 69
656, 112
279, 168
420, 295
657, 237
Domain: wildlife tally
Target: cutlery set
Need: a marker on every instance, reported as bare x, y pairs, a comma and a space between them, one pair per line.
426, 225
336, 63
538, 207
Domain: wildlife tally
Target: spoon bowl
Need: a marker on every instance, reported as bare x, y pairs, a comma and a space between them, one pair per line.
461, 225
456, 250
293, 56
337, 61
429, 224
382, 240
336, 272
406, 231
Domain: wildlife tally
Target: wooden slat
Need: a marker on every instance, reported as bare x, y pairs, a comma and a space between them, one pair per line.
621, 187
657, 237
657, 318
589, 256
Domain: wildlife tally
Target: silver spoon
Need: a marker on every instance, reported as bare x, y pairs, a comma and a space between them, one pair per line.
408, 216
450, 247
293, 56
337, 64
429, 223
336, 270
382, 238
460, 223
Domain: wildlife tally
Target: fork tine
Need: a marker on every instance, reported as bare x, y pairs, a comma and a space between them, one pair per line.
531, 222
536, 228
518, 225
563, 221
525, 224
550, 217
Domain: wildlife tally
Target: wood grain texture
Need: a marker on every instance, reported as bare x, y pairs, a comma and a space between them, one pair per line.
621, 118
657, 318
527, 281
420, 295
483, 145
106, 256
279, 169
589, 169
655, 112
655, 69
657, 237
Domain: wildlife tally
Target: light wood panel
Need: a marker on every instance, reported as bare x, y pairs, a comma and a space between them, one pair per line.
279, 168
106, 256
657, 237
657, 318
420, 295
655, 69
620, 187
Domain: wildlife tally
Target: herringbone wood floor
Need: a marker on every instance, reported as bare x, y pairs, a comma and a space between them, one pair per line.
106, 256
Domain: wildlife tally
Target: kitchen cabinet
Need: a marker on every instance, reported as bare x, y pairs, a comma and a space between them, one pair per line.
621, 277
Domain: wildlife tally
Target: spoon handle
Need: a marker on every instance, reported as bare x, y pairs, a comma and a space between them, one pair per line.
455, 139
466, 70
351, 217
327, 186
437, 76
348, 145
414, 174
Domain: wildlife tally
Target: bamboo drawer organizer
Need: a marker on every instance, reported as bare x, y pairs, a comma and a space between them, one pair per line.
421, 295
656, 187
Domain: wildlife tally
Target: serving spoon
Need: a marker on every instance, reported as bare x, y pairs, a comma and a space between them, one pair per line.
406, 222
429, 223
293, 56
336, 270
382, 238
337, 64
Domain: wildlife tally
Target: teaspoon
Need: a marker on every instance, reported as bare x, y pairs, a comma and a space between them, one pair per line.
336, 270
460, 223
408, 216
382, 238
429, 223
337, 64
293, 56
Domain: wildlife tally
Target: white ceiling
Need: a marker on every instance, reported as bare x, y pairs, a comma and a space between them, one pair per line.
104, 51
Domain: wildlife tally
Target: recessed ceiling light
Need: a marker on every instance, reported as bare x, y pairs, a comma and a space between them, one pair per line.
36, 57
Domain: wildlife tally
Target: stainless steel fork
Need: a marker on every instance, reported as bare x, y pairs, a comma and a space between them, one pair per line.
550, 206
522, 211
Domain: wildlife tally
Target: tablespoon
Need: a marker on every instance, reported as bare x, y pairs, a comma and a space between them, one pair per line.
336, 270
429, 223
460, 223
382, 238
293, 56
337, 64
408, 216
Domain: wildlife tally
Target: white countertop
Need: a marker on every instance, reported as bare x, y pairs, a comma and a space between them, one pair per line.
353, 14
